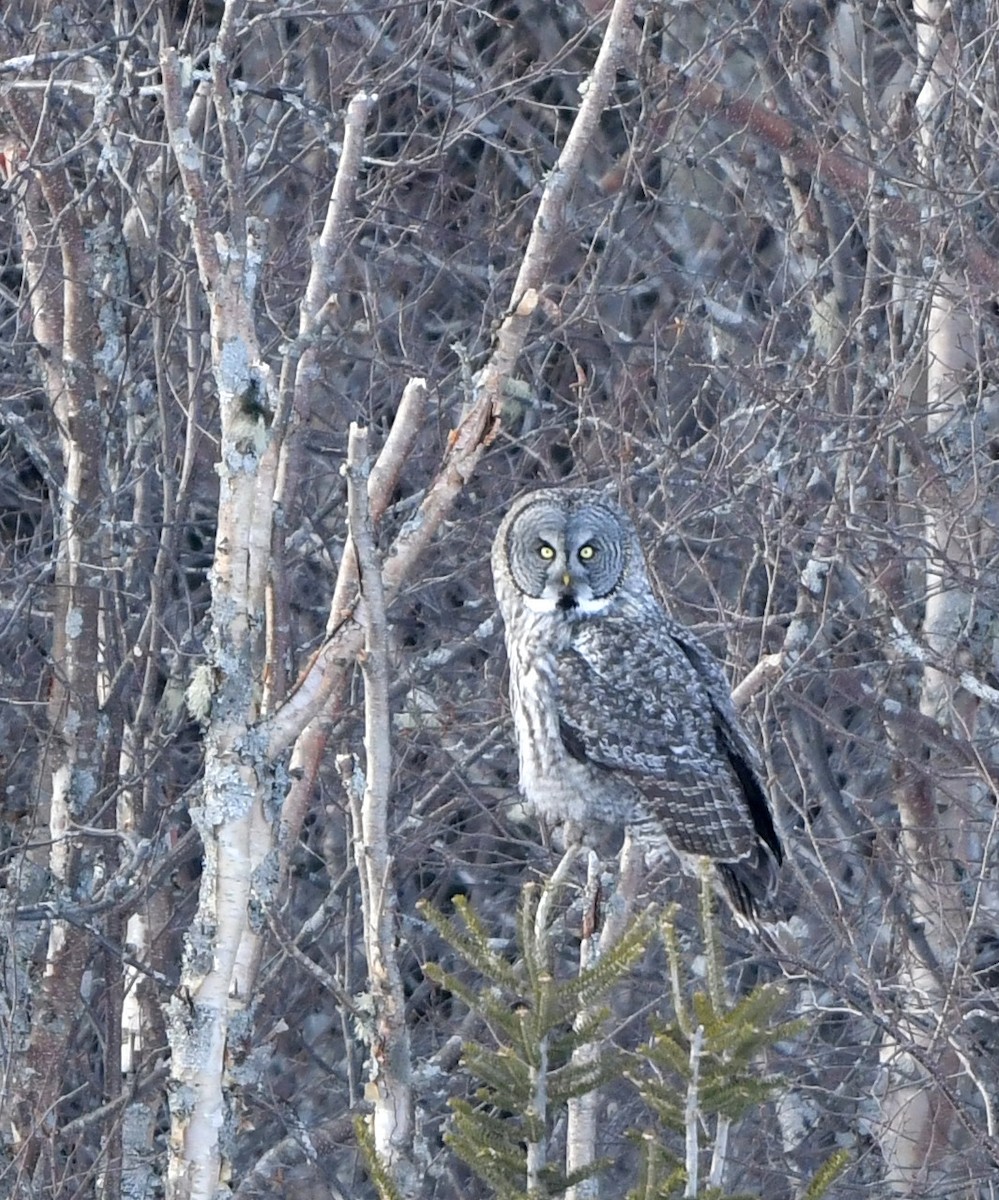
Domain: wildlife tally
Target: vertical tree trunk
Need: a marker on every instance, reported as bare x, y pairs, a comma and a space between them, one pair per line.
920, 1137
57, 267
389, 1060
236, 834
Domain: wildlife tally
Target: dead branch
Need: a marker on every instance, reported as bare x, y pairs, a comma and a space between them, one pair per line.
389, 1058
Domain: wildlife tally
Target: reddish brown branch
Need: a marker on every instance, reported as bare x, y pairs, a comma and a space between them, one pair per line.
854, 181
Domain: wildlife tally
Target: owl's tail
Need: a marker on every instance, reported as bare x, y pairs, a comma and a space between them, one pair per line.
750, 887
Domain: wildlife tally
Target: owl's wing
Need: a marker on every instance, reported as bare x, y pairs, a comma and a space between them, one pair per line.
644, 697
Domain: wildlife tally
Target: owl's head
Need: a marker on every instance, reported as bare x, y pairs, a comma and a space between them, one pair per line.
568, 550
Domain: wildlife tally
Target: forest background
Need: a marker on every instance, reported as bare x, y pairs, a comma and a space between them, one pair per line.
294, 298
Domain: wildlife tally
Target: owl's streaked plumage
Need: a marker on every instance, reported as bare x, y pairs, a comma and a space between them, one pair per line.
622, 715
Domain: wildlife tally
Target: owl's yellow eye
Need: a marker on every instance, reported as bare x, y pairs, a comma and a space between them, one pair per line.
547, 552
586, 552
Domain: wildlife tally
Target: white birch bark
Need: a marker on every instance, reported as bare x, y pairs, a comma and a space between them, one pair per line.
919, 1136
57, 268
235, 833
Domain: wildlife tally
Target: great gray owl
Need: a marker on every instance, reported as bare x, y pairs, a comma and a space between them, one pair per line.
622, 716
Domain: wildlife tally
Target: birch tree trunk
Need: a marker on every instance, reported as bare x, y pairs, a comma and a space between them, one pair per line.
71, 774
230, 818
940, 807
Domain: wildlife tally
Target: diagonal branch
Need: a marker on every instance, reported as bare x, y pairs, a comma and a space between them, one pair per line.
188, 159
854, 180
479, 424
850, 178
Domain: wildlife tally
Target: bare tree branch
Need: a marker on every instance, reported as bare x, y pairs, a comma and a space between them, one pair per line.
389, 1058
479, 424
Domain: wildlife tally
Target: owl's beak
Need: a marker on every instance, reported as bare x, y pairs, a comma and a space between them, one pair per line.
567, 599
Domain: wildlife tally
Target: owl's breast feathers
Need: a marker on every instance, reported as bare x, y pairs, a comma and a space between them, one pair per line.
641, 696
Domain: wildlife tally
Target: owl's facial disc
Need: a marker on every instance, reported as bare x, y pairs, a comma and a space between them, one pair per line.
566, 562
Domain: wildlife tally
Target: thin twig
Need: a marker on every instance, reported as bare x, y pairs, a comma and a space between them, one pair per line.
382, 482
327, 251
188, 159
549, 221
